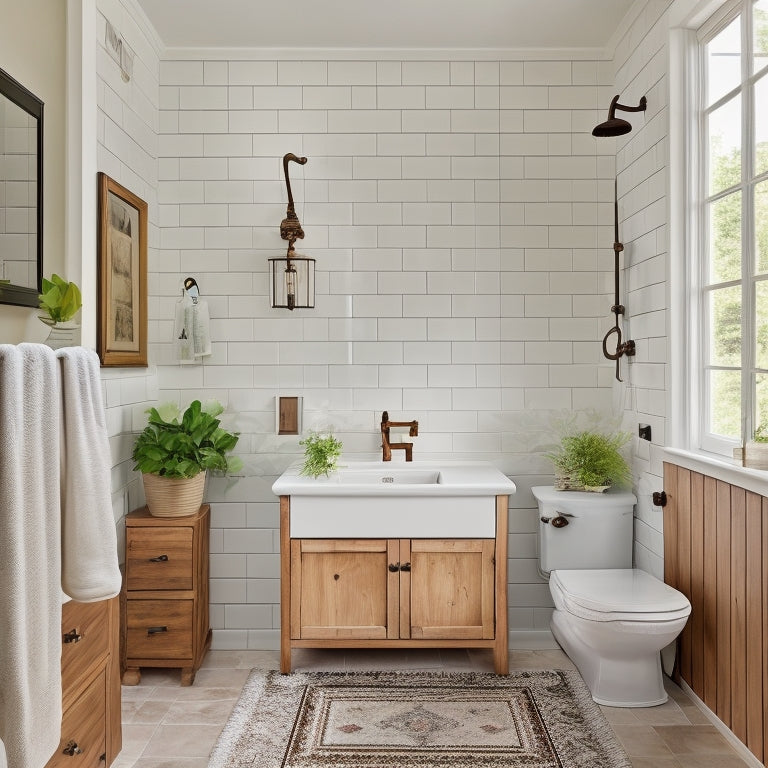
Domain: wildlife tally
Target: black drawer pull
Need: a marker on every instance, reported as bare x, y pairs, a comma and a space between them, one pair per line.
71, 637
72, 749
159, 559
156, 630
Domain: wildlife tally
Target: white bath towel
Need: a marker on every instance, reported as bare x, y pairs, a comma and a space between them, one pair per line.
90, 569
30, 555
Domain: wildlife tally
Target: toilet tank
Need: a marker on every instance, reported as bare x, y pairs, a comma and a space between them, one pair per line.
597, 533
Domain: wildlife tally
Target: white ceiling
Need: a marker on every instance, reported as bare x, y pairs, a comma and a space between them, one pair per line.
386, 23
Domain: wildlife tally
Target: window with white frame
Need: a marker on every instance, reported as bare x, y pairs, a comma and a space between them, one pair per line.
732, 234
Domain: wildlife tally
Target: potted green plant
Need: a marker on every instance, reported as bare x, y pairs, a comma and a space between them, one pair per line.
61, 301
756, 449
321, 453
175, 451
590, 460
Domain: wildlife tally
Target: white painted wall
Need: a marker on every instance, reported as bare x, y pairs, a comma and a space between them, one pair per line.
39, 25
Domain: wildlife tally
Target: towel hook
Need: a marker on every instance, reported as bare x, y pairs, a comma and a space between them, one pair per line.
192, 289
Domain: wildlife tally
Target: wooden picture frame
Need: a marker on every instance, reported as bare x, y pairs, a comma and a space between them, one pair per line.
121, 334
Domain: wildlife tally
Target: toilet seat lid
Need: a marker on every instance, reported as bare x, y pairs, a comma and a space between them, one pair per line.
606, 593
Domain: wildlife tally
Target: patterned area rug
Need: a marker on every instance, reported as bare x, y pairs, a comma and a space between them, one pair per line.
531, 719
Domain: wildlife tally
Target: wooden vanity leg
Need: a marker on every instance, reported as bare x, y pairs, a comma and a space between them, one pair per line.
188, 675
132, 676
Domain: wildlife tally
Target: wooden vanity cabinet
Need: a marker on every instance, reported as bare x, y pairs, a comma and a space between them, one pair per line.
166, 593
380, 593
91, 734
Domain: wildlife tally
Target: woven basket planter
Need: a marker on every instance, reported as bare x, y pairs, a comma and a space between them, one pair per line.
174, 496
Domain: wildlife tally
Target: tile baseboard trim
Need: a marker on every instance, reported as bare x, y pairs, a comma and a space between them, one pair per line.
728, 734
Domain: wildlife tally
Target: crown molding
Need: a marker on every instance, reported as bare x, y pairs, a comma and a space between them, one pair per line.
382, 54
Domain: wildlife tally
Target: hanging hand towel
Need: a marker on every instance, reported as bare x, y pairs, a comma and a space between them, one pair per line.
30, 555
191, 331
90, 569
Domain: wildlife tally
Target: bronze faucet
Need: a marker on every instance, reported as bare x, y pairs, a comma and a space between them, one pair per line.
387, 447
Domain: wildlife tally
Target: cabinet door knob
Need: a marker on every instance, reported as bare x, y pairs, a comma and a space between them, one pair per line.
71, 637
159, 559
72, 749
394, 567
405, 567
156, 630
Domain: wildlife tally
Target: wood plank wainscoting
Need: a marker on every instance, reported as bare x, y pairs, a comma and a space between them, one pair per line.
716, 553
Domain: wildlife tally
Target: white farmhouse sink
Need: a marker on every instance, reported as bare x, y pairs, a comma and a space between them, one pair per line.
376, 499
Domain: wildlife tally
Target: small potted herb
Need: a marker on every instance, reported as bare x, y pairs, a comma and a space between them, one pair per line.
591, 461
321, 453
61, 301
175, 451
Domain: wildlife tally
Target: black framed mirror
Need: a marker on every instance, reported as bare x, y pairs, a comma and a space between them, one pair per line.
21, 193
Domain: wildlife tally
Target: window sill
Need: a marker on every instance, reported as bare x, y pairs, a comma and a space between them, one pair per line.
755, 480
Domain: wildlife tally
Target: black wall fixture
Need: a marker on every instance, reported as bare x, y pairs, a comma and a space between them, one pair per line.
615, 126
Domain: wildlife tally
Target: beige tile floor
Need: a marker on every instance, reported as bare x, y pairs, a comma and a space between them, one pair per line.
166, 726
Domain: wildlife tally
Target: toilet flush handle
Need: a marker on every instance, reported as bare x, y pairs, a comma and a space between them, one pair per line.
558, 522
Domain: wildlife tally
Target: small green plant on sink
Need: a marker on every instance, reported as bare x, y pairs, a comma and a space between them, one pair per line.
321, 453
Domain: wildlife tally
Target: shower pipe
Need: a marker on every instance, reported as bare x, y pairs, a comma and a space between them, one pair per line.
622, 347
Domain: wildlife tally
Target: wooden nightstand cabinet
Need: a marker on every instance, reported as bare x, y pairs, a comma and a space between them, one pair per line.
166, 593
90, 680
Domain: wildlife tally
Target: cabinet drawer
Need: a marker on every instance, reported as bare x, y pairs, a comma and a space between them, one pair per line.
159, 629
158, 558
84, 629
84, 725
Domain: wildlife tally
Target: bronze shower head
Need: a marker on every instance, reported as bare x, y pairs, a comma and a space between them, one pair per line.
615, 126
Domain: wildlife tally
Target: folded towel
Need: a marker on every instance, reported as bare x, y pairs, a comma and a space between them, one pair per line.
90, 569
30, 555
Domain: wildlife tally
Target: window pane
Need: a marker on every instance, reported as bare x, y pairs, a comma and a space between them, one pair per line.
725, 326
761, 402
761, 227
761, 125
761, 324
760, 26
725, 239
725, 146
725, 403
724, 61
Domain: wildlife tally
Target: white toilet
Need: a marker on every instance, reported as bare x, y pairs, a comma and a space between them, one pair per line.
611, 619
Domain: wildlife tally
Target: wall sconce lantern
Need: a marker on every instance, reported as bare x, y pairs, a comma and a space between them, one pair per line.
291, 277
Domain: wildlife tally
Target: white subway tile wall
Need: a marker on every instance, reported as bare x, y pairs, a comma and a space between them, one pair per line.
642, 167
456, 218
459, 212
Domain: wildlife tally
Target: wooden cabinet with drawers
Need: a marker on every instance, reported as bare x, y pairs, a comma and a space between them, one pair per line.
440, 592
166, 621
90, 677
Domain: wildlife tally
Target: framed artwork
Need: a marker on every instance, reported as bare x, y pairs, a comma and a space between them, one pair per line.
122, 276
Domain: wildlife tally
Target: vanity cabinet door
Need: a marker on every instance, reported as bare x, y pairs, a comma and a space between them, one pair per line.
345, 589
448, 593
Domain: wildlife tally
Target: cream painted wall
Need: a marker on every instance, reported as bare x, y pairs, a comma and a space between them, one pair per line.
39, 26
